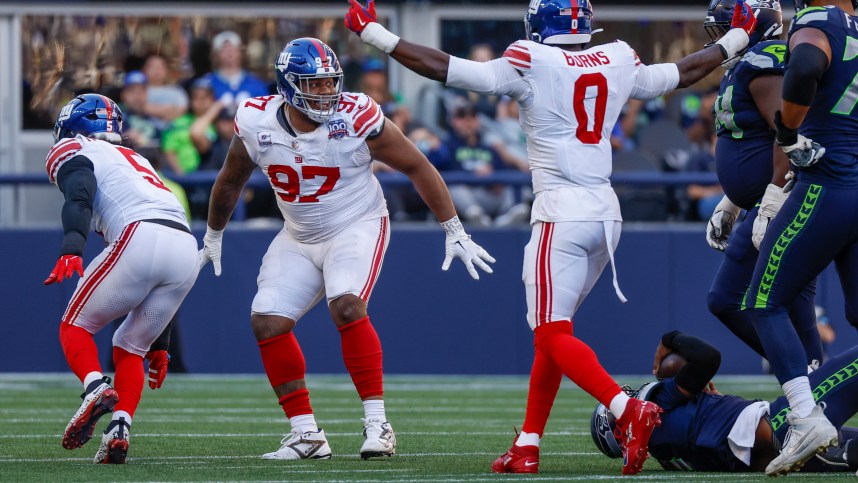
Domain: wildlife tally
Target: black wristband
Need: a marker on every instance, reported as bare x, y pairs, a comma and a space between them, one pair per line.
785, 136
667, 338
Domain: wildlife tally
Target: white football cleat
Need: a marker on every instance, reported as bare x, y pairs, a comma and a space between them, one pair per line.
114, 443
379, 439
299, 446
805, 437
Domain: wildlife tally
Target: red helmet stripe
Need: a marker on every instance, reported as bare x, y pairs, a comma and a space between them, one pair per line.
574, 20
323, 56
107, 105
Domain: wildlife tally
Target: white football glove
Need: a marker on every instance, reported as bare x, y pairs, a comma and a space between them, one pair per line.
805, 152
770, 205
211, 249
459, 245
721, 224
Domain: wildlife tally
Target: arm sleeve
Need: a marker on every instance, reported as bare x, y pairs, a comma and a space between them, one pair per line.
494, 77
807, 65
653, 81
703, 360
76, 180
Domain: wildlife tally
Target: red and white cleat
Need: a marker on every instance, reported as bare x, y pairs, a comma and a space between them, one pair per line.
98, 400
635, 428
518, 459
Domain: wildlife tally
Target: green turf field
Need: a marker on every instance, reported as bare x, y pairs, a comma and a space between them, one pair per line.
215, 428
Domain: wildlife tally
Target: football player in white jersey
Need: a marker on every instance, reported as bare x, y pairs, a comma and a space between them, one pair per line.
146, 270
316, 145
570, 97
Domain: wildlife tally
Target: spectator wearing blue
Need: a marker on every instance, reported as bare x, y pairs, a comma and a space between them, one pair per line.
142, 129
230, 82
468, 152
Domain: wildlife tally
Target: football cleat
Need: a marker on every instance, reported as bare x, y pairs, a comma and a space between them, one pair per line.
805, 437
98, 400
634, 430
379, 439
842, 455
114, 443
300, 446
518, 459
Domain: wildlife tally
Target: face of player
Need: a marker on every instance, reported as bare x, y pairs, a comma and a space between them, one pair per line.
326, 86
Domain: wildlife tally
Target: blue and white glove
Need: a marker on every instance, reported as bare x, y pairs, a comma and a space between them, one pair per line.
770, 205
721, 224
459, 245
801, 151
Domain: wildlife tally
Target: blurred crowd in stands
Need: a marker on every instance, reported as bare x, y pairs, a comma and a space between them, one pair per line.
179, 84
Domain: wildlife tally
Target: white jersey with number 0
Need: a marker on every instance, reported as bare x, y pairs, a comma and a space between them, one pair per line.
570, 101
128, 189
323, 179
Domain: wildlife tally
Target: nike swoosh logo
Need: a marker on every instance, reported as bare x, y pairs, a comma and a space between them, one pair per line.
361, 22
531, 463
793, 447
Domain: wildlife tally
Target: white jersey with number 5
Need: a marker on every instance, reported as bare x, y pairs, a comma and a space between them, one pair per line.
323, 179
128, 189
570, 101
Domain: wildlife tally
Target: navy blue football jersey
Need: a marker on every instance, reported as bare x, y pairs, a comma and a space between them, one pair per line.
743, 150
833, 119
693, 432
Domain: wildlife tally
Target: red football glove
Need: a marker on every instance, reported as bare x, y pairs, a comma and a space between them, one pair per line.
158, 362
65, 267
743, 18
359, 17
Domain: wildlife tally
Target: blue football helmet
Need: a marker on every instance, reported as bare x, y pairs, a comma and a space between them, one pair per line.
719, 15
91, 115
302, 61
559, 22
603, 425
802, 4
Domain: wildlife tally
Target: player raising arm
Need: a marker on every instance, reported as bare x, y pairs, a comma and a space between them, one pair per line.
316, 145
570, 97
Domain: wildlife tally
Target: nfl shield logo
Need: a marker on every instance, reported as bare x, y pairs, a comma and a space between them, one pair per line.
264, 138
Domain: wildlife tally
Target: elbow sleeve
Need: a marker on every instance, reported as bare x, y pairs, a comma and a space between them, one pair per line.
655, 81
807, 65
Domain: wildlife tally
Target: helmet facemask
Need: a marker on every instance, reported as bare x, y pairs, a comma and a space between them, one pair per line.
318, 107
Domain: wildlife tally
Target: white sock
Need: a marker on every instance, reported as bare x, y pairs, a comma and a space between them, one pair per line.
618, 404
799, 396
122, 414
527, 439
374, 409
92, 376
306, 423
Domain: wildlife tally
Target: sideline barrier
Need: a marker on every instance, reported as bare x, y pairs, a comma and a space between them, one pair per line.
429, 321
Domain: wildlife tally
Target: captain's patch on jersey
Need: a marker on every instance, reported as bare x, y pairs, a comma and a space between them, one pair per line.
264, 138
337, 129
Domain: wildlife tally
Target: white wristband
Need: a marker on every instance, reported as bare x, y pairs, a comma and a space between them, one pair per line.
379, 37
212, 234
452, 226
734, 41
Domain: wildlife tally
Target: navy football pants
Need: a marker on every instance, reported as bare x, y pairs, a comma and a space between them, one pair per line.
731, 284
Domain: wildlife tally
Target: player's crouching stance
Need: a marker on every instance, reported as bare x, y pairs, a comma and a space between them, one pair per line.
146, 270
316, 145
